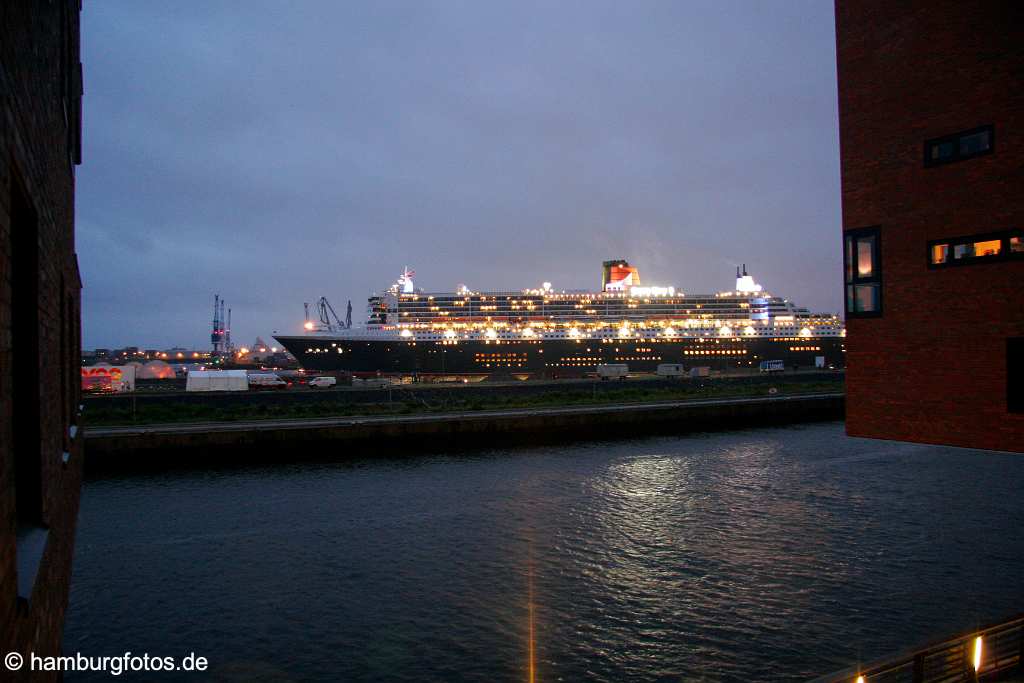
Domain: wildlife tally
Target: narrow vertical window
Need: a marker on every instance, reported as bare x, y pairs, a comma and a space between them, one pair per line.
863, 272
25, 440
1015, 374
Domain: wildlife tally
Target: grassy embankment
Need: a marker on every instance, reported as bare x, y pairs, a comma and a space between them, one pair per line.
404, 402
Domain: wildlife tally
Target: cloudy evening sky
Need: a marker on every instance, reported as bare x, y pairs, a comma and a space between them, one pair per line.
275, 152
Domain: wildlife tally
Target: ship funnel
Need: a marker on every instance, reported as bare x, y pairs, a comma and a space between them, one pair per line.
745, 283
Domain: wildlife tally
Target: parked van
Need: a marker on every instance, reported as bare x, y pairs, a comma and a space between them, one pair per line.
322, 382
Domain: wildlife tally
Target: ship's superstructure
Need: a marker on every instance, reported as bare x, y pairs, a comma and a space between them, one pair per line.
548, 332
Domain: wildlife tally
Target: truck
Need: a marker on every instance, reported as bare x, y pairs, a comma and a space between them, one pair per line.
671, 370
613, 371
700, 371
772, 366
216, 380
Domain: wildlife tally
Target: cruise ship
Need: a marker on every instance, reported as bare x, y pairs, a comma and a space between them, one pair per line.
542, 332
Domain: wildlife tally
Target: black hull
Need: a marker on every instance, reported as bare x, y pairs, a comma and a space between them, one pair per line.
554, 357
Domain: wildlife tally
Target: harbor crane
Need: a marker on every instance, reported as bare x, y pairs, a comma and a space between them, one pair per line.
329, 319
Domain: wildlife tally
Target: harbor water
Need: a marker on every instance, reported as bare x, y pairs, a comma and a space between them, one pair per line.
771, 554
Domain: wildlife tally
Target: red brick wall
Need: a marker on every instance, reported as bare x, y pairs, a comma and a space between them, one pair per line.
38, 40
932, 368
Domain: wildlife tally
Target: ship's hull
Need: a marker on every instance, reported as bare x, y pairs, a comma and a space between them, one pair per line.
554, 357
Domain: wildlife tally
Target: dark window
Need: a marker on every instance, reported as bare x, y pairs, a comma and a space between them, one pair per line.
862, 266
959, 146
25, 442
986, 248
1015, 374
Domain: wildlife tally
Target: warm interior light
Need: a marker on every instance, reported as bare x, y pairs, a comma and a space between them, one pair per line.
977, 654
988, 248
860, 679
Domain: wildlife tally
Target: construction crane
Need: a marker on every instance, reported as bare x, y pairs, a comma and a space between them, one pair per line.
217, 335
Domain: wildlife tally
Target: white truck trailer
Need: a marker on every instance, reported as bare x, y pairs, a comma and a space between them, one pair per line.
613, 371
671, 370
217, 380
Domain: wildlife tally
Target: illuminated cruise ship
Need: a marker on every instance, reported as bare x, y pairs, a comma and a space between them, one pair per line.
542, 332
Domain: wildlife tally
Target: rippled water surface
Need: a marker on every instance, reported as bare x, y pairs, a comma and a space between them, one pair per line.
775, 554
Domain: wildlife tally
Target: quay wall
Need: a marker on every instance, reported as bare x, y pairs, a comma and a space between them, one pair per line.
207, 444
442, 393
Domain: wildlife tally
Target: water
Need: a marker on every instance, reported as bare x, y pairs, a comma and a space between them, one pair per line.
775, 554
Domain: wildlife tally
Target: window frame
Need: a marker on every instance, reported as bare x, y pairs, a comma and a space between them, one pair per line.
1014, 375
955, 139
855, 279
1004, 254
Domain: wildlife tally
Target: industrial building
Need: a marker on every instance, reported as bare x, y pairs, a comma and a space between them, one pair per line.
40, 442
931, 122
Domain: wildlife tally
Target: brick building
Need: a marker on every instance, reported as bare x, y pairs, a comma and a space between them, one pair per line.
931, 121
40, 448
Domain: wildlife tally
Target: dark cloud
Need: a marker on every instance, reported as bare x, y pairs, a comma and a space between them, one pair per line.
273, 152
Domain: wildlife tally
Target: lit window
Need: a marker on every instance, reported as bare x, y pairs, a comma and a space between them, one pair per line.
865, 257
863, 272
976, 249
987, 248
959, 146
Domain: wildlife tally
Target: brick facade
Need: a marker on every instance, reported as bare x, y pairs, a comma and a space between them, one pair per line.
40, 449
933, 366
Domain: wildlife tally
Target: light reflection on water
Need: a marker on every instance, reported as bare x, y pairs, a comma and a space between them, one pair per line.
759, 555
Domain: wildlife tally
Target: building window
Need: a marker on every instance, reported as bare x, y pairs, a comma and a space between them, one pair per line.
25, 357
862, 264
1015, 374
959, 146
987, 248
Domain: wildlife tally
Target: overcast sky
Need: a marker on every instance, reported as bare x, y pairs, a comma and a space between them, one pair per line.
274, 152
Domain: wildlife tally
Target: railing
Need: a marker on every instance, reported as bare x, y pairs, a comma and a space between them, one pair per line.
985, 654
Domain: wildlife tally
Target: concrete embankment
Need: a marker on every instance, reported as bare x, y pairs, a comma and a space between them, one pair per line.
197, 444
447, 394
